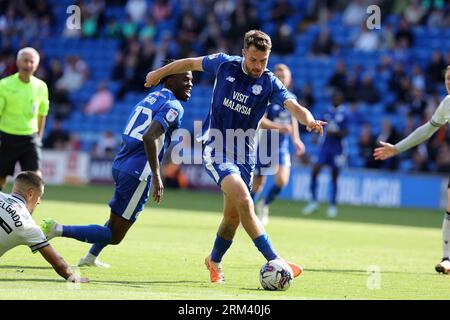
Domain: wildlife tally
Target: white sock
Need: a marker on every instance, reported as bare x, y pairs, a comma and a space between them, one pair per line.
446, 236
90, 257
58, 230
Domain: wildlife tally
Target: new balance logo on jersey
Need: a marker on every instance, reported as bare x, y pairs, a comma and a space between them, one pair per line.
231, 79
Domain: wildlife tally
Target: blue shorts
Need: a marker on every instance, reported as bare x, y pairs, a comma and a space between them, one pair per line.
332, 159
218, 171
284, 160
130, 195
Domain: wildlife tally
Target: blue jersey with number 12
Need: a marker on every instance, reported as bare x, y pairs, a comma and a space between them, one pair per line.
161, 106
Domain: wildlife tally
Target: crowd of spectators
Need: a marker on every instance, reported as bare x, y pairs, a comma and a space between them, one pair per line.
152, 30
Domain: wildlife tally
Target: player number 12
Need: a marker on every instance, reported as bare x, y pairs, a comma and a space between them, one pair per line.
139, 130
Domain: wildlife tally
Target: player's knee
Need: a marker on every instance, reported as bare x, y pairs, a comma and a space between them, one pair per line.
116, 239
244, 203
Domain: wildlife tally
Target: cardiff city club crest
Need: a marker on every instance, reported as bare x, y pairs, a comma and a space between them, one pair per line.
256, 89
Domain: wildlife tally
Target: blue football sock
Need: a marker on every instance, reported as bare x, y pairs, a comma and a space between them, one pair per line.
273, 193
92, 233
313, 188
98, 247
333, 193
220, 247
265, 247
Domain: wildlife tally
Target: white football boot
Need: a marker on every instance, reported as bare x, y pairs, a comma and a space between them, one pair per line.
263, 212
443, 267
91, 261
310, 208
332, 212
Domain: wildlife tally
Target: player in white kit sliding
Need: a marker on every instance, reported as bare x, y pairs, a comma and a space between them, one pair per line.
17, 227
440, 118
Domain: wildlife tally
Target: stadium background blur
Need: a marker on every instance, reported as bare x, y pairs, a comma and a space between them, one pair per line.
392, 77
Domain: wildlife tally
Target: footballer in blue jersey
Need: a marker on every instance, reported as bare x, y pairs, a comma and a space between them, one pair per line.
276, 118
136, 168
331, 153
242, 92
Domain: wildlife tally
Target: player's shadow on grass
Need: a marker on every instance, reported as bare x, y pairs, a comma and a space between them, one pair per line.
24, 267
133, 284
149, 283
361, 272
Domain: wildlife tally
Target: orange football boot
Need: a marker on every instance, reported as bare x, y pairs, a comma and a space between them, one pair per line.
215, 271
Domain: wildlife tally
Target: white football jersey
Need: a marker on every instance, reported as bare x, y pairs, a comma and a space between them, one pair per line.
442, 114
17, 227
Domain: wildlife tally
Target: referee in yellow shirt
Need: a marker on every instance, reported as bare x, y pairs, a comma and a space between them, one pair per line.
23, 109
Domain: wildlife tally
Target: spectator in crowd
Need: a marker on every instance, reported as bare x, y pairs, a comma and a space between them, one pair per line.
189, 30
101, 102
419, 161
129, 28
367, 92
399, 83
137, 10
324, 44
283, 41
7, 64
435, 70
389, 134
74, 75
414, 12
112, 29
57, 138
443, 158
306, 96
438, 19
417, 104
417, 77
351, 89
105, 148
244, 18
281, 11
161, 10
366, 40
404, 34
339, 77
366, 145
148, 31
355, 13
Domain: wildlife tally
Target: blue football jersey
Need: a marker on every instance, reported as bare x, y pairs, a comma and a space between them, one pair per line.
337, 119
161, 106
278, 114
239, 102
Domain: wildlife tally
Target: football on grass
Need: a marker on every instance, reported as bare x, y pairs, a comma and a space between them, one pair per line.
276, 275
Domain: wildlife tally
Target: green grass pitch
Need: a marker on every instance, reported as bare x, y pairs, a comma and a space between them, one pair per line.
162, 256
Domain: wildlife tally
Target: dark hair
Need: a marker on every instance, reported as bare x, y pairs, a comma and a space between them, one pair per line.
165, 62
259, 39
29, 178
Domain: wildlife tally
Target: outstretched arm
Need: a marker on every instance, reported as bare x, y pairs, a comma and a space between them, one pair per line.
272, 125
418, 136
178, 66
295, 135
304, 116
59, 265
150, 138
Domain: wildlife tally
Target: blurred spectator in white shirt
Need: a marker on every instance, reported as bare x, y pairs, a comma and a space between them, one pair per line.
137, 9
